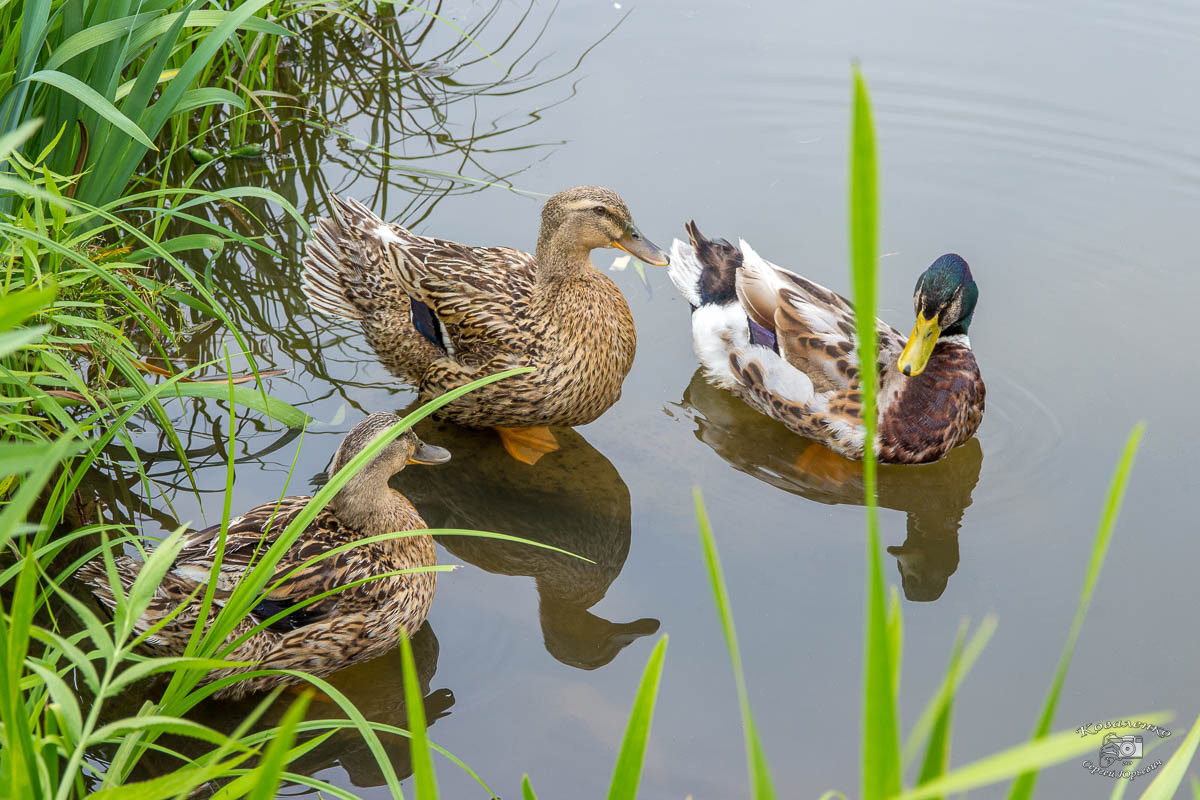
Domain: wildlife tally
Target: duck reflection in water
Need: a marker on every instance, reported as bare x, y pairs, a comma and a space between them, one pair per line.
572, 499
934, 496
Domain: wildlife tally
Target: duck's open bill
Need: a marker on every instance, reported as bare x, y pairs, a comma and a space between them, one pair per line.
640, 247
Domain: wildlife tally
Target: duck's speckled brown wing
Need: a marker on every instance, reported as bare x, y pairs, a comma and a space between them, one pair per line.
814, 327
480, 294
301, 574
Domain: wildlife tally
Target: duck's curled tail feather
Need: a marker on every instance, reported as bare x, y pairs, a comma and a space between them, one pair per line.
685, 270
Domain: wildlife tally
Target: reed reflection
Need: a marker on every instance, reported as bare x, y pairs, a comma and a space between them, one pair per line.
573, 499
934, 496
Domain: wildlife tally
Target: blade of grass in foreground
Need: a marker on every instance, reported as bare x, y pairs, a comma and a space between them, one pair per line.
414, 706
921, 730
628, 771
1023, 786
1044, 752
881, 736
270, 771
1164, 786
756, 761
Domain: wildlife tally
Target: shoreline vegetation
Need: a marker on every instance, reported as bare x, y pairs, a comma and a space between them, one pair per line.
110, 113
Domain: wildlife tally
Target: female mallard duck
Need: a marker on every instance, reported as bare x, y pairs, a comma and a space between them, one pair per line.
355, 624
440, 314
786, 346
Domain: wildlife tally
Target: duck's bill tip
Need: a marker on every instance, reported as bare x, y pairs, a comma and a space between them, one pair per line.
429, 455
642, 248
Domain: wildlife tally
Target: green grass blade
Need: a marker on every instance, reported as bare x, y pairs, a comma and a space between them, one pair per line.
270, 771
96, 35
250, 398
628, 771
19, 306
761, 787
1033, 755
12, 341
527, 789
895, 638
11, 140
1022, 788
924, 725
937, 750
414, 705
95, 101
1171, 775
208, 96
881, 737
170, 785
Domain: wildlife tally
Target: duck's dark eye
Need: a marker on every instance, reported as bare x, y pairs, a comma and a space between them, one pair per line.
599, 210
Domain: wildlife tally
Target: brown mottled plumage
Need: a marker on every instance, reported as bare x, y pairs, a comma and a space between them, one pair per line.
351, 625
787, 347
440, 314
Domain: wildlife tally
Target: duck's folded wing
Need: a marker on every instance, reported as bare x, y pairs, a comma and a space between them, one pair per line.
303, 573
814, 327
476, 293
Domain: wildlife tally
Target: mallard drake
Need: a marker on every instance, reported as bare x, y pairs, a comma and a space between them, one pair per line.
787, 347
440, 314
356, 624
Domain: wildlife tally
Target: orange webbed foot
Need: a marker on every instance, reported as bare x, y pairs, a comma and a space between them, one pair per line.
527, 445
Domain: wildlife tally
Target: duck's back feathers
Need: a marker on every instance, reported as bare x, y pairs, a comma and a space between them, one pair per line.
367, 593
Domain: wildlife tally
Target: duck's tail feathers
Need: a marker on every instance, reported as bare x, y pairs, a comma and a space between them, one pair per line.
685, 270
344, 260
705, 270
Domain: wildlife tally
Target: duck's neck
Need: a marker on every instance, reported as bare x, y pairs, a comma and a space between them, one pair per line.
961, 339
560, 258
367, 504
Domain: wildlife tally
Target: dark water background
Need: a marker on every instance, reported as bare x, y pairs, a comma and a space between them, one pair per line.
1051, 144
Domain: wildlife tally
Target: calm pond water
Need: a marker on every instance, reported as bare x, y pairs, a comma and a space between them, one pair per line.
1052, 144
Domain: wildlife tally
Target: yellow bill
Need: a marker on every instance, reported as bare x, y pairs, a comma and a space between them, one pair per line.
920, 346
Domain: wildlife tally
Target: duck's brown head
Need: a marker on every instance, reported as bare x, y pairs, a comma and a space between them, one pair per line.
405, 449
576, 221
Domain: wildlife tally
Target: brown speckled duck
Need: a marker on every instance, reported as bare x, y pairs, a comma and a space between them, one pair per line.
787, 347
440, 314
353, 625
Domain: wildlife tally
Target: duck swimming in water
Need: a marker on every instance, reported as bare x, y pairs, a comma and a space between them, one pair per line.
440, 314
786, 346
